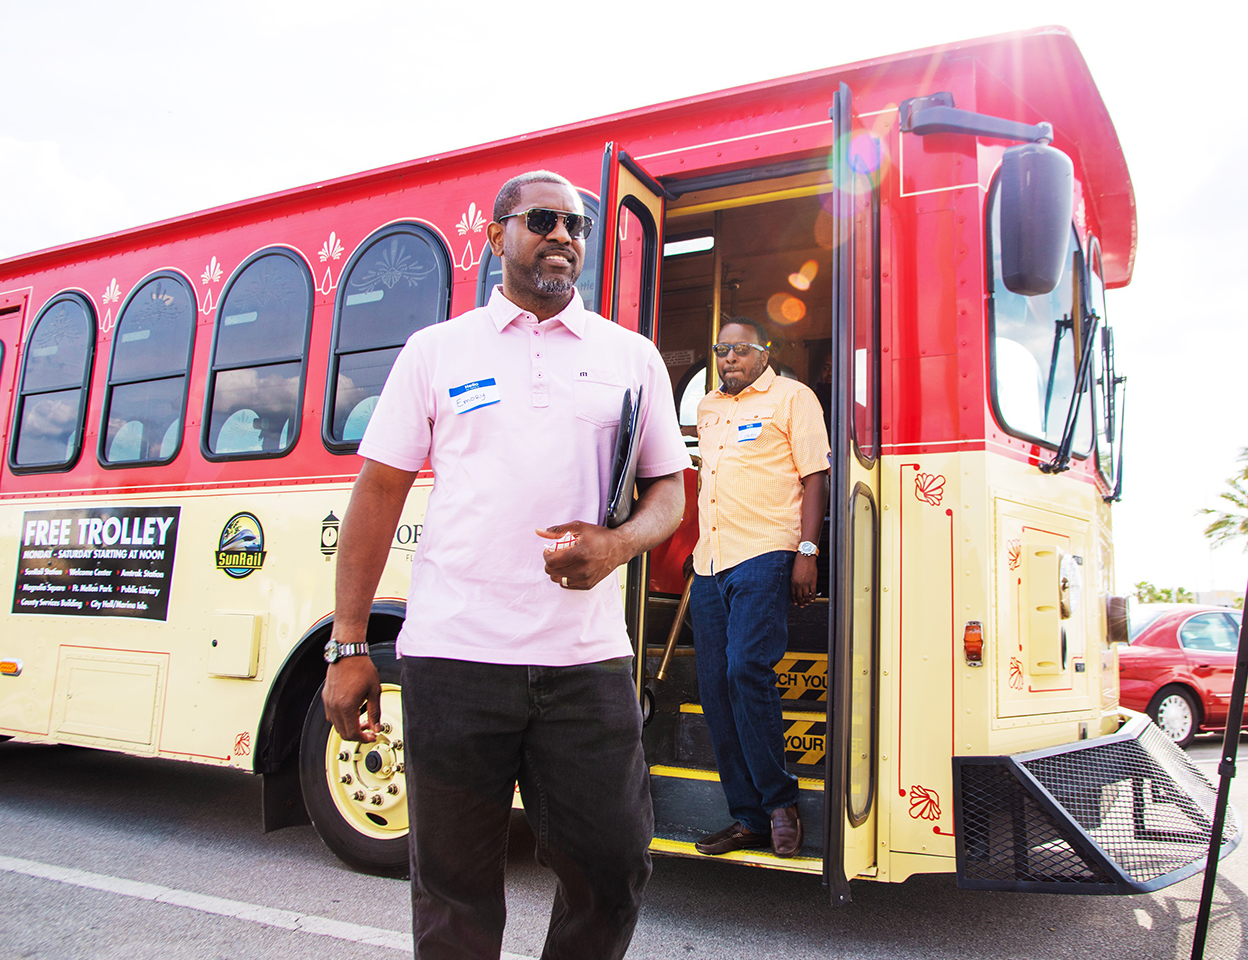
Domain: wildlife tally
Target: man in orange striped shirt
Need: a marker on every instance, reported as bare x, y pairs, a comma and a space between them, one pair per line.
763, 496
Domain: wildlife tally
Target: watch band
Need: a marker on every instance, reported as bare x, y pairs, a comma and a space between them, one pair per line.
335, 651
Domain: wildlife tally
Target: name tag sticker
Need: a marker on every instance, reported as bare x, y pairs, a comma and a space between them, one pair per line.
473, 396
749, 431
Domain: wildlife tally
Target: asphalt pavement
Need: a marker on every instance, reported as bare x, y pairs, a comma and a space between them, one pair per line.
107, 856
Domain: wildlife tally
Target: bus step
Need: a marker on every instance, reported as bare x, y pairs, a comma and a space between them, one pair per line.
805, 740
689, 804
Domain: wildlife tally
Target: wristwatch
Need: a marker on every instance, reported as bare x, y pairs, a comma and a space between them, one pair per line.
808, 549
335, 651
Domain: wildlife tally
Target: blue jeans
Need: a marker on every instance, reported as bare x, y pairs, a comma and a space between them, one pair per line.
571, 738
740, 632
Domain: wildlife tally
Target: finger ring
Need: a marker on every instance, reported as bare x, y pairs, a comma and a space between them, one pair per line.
564, 581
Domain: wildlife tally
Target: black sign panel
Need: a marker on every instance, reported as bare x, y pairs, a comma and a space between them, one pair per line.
96, 562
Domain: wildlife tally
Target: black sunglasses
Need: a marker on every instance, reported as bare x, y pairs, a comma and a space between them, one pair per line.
740, 349
541, 221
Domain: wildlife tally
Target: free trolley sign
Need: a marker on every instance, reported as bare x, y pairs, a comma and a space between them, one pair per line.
96, 562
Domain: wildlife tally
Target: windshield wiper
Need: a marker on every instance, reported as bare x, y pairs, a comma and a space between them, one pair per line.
1061, 460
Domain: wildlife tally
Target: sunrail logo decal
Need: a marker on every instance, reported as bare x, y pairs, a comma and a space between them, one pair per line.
240, 551
803, 676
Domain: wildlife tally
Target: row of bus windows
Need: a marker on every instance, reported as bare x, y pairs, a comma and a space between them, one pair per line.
397, 283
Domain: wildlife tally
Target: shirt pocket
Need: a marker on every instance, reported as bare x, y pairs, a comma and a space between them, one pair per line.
598, 397
753, 424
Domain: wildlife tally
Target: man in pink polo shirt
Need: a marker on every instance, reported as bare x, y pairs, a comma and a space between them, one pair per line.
516, 666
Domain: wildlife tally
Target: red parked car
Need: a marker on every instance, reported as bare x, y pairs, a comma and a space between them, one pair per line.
1179, 666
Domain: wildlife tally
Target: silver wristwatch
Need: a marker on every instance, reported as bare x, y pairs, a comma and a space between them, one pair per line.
808, 549
335, 651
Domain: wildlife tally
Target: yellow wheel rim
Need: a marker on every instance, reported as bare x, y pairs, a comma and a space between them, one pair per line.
366, 779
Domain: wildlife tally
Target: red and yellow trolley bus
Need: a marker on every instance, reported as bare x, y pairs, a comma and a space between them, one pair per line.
928, 237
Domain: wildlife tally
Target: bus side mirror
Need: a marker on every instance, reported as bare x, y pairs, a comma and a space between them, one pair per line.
1037, 196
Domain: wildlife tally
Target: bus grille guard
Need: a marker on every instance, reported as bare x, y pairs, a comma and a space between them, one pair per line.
1124, 813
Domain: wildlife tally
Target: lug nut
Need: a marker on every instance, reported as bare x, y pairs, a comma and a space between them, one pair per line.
393, 789
398, 744
376, 800
358, 795
385, 727
345, 778
398, 768
344, 756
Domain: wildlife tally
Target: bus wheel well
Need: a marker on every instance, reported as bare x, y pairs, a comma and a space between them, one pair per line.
281, 724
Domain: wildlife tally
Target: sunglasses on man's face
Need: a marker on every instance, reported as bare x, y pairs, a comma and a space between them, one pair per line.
541, 221
740, 349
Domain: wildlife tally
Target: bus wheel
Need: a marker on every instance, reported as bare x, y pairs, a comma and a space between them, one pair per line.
1174, 710
355, 793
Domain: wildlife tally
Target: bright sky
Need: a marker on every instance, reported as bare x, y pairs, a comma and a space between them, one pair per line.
122, 113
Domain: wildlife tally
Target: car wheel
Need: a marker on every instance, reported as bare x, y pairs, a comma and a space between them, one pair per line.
1174, 710
355, 793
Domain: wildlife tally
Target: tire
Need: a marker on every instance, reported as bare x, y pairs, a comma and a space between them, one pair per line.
1175, 710
355, 793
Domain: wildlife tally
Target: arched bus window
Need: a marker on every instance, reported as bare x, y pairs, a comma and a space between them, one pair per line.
491, 272
1034, 353
147, 374
397, 282
52, 397
255, 384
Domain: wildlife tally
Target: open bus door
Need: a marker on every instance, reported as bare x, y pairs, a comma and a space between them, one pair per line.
850, 819
630, 241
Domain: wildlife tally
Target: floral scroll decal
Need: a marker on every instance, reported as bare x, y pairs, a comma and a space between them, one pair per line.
242, 745
473, 220
1016, 673
924, 803
930, 488
331, 249
1016, 553
111, 295
212, 272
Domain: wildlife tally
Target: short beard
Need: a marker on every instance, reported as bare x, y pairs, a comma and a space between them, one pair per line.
553, 286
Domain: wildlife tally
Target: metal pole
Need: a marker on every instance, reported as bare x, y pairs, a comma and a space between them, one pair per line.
1226, 771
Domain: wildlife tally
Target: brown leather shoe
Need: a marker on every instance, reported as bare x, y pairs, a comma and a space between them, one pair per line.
732, 838
786, 831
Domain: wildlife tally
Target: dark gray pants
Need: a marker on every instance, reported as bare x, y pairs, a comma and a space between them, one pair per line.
571, 738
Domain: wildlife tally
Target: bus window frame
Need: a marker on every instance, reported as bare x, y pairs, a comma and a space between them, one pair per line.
162, 274
1104, 395
646, 313
868, 459
1078, 267
210, 384
485, 288
408, 227
15, 432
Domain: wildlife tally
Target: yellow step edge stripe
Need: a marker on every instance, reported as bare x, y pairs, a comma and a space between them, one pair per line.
787, 714
691, 773
758, 858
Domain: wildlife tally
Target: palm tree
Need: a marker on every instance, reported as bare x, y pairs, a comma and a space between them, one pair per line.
1232, 524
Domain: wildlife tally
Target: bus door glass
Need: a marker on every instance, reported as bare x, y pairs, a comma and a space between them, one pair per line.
629, 237
853, 650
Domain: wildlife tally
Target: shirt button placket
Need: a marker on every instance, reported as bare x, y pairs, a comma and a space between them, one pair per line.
541, 396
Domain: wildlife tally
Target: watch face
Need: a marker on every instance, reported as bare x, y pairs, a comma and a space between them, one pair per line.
331, 651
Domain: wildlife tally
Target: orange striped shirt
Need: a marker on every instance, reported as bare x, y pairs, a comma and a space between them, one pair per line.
755, 447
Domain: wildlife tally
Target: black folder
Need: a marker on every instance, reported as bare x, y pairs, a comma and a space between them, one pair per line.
624, 470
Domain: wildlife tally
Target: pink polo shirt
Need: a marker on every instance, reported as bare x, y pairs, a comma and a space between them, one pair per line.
518, 420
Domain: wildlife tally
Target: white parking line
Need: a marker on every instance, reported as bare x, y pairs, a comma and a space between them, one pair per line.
254, 913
